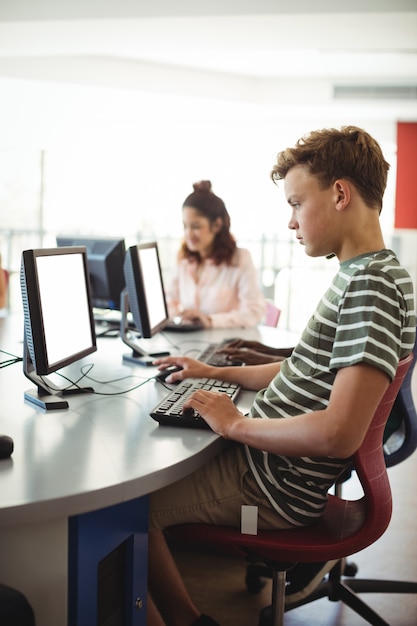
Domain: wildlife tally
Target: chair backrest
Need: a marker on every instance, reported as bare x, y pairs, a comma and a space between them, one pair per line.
272, 314
370, 466
404, 411
348, 526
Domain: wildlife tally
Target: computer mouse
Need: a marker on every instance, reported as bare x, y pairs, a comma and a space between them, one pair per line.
6, 446
163, 374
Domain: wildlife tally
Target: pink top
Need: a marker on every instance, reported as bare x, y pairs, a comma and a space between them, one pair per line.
229, 294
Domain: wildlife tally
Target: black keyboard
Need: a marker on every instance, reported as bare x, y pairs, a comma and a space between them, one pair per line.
211, 356
184, 326
169, 412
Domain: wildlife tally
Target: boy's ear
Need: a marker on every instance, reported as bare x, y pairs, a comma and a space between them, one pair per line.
342, 193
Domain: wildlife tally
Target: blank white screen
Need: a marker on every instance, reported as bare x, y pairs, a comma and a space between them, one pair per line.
154, 290
64, 304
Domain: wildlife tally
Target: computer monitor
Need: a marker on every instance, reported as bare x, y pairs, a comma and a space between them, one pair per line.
105, 264
58, 319
145, 297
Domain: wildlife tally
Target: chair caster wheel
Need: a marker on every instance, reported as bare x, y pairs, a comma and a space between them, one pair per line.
265, 617
253, 581
350, 569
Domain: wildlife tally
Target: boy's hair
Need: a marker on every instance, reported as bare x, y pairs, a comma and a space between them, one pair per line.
329, 154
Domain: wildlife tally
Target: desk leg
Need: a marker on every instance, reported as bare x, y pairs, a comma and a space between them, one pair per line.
107, 566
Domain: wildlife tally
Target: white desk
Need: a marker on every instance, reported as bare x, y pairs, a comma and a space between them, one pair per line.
103, 452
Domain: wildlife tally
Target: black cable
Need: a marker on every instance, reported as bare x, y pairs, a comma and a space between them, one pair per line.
14, 359
102, 382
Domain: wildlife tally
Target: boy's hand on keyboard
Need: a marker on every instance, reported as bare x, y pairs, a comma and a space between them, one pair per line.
217, 409
190, 368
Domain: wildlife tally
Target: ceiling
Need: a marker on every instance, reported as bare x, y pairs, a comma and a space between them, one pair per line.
264, 52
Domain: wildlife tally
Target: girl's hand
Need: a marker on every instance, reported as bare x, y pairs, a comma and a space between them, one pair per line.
196, 314
249, 357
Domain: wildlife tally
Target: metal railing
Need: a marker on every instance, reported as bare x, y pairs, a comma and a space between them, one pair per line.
287, 276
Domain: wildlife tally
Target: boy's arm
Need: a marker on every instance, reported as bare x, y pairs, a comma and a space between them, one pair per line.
336, 431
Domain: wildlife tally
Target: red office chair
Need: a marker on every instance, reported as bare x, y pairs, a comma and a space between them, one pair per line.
346, 527
402, 427
402, 423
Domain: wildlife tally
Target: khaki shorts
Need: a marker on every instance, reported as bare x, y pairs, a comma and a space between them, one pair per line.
214, 494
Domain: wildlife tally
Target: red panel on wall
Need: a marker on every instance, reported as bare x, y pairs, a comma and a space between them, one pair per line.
405, 197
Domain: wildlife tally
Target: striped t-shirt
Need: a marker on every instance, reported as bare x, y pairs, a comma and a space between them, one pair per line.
366, 316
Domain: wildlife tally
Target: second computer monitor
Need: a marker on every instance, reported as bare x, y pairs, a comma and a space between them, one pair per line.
105, 258
145, 288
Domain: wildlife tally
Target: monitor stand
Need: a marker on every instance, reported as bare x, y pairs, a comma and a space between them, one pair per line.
45, 395
107, 322
139, 356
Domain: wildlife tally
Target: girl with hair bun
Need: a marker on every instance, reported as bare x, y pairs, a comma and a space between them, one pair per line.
214, 281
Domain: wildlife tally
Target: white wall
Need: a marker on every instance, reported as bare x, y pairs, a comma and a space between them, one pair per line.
130, 103
135, 156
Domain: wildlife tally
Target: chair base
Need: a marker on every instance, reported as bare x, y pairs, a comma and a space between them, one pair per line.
345, 590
